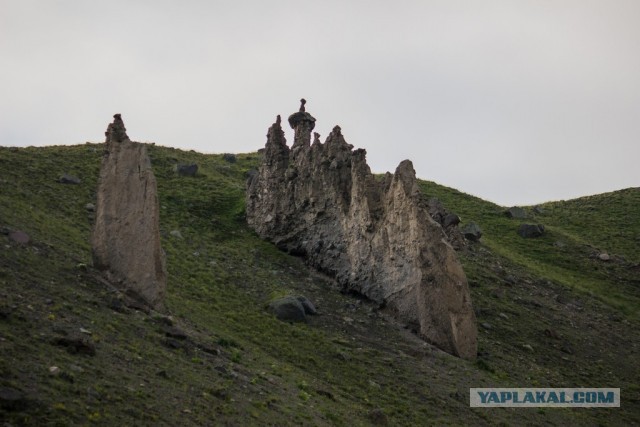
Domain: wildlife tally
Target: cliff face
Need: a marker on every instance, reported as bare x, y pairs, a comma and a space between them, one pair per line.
374, 236
126, 237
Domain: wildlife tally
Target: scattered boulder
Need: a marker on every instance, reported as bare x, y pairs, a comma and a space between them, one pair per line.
76, 345
378, 417
231, 158
187, 170
538, 210
375, 237
176, 233
604, 256
308, 306
174, 332
472, 232
12, 399
126, 236
451, 219
551, 333
69, 179
531, 230
90, 207
288, 309
515, 212
20, 237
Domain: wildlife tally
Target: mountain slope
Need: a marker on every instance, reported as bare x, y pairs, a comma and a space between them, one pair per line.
217, 357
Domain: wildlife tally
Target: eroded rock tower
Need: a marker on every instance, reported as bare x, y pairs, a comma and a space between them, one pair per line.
126, 236
375, 237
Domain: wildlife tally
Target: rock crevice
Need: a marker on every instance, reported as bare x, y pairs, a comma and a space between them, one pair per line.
374, 235
126, 236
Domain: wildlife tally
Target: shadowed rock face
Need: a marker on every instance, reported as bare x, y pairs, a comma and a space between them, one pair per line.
375, 237
126, 237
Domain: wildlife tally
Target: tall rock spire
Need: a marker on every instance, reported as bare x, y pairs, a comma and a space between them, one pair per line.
375, 237
126, 236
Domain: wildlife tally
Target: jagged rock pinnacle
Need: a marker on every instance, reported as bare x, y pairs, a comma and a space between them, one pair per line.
126, 236
116, 132
375, 237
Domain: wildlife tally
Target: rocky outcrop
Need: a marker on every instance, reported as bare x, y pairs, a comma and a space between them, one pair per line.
126, 236
375, 236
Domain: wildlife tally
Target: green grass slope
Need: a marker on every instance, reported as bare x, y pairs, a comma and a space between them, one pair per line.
576, 232
216, 357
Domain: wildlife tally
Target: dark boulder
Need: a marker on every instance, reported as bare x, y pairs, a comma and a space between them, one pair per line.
308, 306
451, 220
76, 345
12, 399
19, 237
531, 230
288, 309
472, 232
231, 158
187, 170
538, 210
515, 213
69, 179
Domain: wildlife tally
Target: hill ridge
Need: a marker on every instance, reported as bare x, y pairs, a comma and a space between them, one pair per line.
220, 358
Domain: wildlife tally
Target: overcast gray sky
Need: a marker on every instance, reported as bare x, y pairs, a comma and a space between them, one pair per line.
518, 102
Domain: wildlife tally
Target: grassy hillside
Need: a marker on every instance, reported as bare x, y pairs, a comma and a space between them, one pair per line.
576, 232
548, 315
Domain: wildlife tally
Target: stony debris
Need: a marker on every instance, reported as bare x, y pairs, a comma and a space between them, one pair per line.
126, 236
375, 237
448, 221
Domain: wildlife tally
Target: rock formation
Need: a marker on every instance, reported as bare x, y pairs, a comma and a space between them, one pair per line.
375, 236
126, 237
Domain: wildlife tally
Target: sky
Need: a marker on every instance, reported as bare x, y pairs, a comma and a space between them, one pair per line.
517, 102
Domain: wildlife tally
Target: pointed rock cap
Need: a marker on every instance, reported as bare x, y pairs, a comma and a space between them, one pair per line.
302, 116
116, 132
